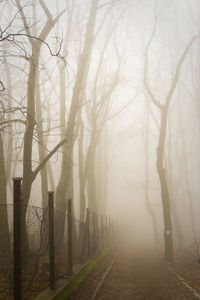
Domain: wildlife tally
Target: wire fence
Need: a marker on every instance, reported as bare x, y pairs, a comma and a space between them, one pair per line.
6, 251
39, 246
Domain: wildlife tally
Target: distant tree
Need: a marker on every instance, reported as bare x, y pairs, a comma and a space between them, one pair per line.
164, 109
174, 207
147, 174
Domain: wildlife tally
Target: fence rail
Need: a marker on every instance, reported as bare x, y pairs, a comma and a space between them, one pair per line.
37, 252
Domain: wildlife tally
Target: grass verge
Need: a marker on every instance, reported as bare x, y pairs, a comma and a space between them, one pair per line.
77, 278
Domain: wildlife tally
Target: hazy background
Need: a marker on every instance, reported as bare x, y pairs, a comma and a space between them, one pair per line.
124, 29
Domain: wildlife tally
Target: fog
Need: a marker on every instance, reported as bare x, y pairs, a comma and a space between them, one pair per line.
101, 105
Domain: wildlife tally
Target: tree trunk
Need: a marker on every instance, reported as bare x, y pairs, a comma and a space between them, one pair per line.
146, 187
175, 215
91, 178
168, 240
83, 66
28, 146
41, 146
5, 245
186, 177
9, 150
81, 172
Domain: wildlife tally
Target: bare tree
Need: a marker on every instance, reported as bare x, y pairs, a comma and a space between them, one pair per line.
17, 38
164, 108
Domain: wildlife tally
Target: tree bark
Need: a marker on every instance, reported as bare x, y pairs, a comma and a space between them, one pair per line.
175, 215
168, 240
186, 176
147, 182
5, 245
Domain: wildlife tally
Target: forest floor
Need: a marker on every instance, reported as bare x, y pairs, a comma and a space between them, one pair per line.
137, 275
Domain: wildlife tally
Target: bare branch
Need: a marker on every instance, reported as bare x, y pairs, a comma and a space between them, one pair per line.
31, 37
26, 27
2, 87
122, 108
12, 20
178, 67
146, 85
45, 8
12, 109
45, 160
108, 4
44, 32
12, 121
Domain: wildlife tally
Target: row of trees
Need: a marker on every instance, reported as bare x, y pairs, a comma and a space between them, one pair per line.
29, 91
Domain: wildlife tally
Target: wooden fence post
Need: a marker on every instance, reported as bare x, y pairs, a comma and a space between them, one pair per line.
17, 238
70, 262
88, 232
106, 231
94, 233
102, 232
110, 231
51, 240
97, 232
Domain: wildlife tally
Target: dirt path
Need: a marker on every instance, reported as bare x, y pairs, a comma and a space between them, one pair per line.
136, 276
